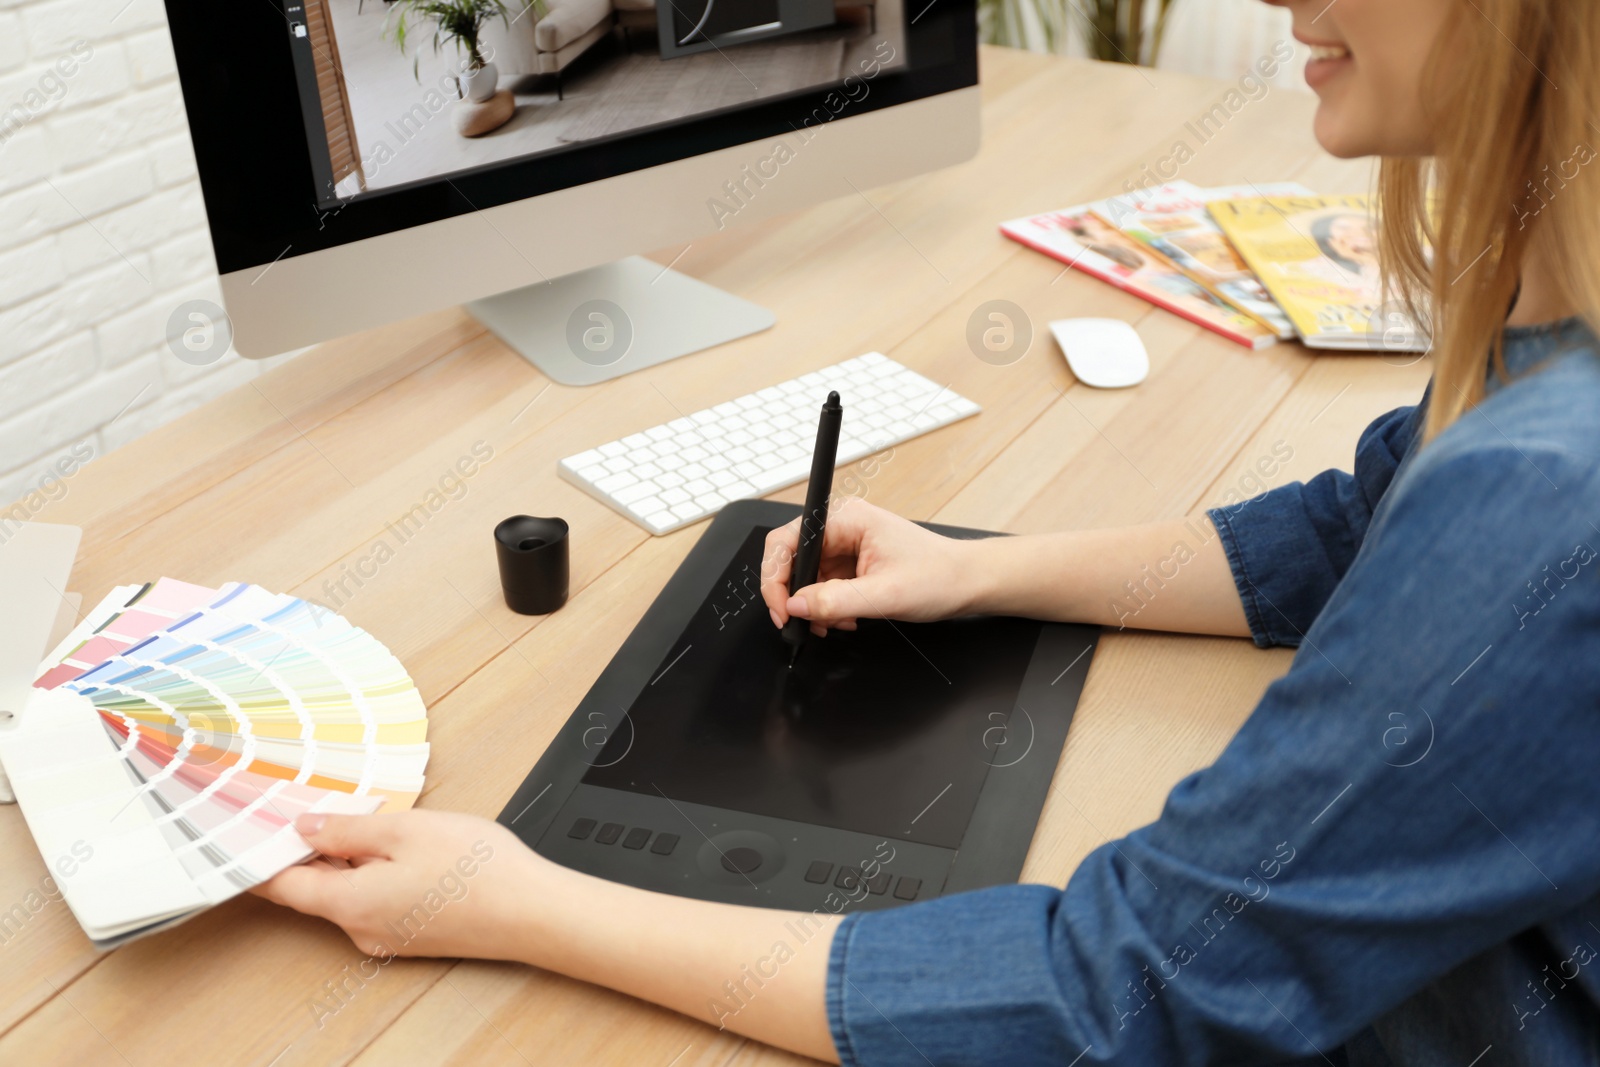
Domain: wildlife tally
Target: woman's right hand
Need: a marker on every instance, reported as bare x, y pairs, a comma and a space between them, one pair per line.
875, 565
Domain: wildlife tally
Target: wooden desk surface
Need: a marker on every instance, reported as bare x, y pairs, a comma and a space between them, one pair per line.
290, 482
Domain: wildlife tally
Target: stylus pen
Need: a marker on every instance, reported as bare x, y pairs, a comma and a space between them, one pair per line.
814, 519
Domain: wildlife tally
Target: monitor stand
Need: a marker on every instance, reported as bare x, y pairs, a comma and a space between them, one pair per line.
611, 320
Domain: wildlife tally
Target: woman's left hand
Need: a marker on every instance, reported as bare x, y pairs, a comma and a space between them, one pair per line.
419, 883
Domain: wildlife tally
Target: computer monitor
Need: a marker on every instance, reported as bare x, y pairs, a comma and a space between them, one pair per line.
364, 161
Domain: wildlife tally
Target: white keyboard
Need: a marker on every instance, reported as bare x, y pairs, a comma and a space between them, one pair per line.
681, 471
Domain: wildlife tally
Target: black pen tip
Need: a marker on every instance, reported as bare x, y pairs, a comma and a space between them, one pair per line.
794, 656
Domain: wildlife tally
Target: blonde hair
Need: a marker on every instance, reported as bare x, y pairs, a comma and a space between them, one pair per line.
1512, 86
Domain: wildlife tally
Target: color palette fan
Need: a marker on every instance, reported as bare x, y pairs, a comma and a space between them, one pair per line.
174, 736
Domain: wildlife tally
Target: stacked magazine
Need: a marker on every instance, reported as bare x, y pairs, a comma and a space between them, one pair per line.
1254, 263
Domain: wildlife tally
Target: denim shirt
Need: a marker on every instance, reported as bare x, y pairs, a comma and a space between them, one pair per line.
1396, 860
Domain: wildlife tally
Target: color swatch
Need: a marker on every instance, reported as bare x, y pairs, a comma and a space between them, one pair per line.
175, 735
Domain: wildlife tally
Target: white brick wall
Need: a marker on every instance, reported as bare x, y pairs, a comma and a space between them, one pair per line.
102, 235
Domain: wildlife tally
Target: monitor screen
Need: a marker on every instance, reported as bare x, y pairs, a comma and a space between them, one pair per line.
886, 730
318, 123
382, 80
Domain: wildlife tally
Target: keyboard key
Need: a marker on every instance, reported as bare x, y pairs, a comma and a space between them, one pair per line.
608, 834
664, 844
636, 838
817, 873
906, 888
849, 878
637, 491
581, 829
878, 884
783, 474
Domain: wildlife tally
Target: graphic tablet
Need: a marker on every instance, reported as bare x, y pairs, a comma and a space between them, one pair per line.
894, 763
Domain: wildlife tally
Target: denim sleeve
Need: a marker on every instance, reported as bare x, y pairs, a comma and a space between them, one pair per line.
1417, 788
1288, 548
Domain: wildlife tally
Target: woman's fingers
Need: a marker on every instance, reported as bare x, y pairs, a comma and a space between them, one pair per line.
841, 600
849, 522
350, 836
776, 566
315, 888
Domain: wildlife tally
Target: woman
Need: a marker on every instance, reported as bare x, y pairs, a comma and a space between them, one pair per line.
1318, 901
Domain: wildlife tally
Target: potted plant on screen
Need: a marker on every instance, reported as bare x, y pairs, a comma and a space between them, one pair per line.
458, 22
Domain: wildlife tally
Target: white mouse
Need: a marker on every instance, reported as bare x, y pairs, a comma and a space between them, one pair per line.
1104, 353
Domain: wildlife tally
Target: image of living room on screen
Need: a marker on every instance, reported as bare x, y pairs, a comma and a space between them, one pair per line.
414, 89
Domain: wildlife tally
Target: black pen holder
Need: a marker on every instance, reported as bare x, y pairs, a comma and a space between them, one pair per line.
534, 563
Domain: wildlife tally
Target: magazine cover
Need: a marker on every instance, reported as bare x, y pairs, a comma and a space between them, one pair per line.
1177, 224
1084, 238
1318, 257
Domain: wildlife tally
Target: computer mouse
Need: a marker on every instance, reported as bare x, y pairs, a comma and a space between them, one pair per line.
1104, 353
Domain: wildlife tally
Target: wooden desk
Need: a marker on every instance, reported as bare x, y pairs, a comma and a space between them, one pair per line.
291, 482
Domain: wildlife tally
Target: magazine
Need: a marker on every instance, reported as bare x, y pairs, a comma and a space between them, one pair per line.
1084, 238
1177, 225
1318, 257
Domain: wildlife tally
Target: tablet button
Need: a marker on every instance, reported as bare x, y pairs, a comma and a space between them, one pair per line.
636, 838
907, 889
878, 884
608, 834
664, 845
849, 878
581, 829
741, 860
818, 872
